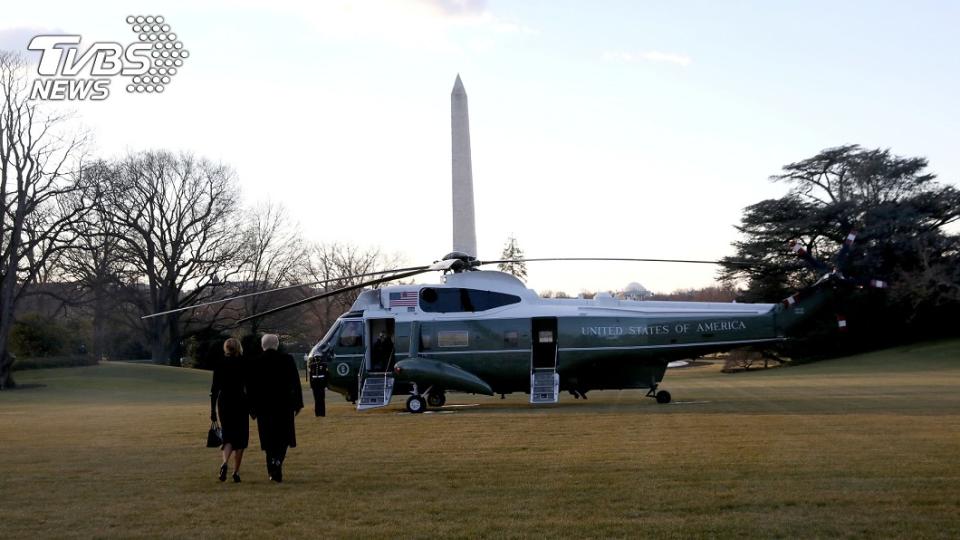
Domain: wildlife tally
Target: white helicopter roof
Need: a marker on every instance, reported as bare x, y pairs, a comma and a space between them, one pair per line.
490, 280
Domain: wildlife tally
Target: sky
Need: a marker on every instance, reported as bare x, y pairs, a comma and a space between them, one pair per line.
607, 129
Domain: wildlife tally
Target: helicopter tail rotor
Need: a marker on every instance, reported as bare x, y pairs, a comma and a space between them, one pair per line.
831, 275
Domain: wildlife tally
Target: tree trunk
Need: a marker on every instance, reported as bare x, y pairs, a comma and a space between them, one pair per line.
165, 341
6, 325
6, 371
99, 326
173, 351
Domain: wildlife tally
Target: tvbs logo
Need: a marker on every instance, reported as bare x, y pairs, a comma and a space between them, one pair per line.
71, 72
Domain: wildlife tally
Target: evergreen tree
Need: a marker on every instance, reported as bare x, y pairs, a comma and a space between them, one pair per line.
900, 213
512, 252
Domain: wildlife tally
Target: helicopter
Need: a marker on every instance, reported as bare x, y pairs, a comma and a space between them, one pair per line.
484, 332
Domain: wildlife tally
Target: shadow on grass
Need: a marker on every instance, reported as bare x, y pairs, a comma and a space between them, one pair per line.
25, 386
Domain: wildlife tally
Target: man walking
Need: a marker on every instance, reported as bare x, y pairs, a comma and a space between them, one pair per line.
277, 398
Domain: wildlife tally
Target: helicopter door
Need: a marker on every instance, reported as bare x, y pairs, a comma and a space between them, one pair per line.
376, 372
544, 380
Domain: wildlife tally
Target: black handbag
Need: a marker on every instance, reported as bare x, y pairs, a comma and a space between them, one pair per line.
214, 436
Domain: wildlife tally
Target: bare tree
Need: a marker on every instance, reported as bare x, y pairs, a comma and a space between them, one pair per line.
176, 217
95, 264
273, 256
743, 359
713, 293
41, 199
337, 262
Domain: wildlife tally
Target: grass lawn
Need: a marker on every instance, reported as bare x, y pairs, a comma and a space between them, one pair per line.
867, 446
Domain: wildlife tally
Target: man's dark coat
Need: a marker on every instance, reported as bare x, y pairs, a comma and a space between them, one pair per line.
276, 396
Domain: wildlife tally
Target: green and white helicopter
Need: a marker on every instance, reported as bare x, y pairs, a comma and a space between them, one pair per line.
484, 332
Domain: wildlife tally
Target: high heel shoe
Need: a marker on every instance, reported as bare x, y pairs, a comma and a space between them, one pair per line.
223, 472
236, 478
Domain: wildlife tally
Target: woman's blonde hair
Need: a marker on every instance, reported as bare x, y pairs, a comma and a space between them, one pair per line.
232, 347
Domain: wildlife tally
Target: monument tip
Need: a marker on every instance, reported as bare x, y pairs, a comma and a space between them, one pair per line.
458, 86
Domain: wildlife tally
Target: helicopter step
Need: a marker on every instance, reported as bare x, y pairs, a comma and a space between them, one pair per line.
544, 386
377, 391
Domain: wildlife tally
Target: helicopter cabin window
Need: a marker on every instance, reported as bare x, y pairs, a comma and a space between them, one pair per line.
351, 334
545, 336
511, 338
426, 341
453, 338
455, 299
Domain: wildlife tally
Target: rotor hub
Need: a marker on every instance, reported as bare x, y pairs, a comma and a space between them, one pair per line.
465, 262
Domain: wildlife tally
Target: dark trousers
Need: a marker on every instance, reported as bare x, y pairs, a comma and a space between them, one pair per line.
277, 454
319, 397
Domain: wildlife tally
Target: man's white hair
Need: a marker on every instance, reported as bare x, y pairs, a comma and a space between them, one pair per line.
269, 342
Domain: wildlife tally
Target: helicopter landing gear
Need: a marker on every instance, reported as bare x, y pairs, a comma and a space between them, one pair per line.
661, 396
437, 399
416, 404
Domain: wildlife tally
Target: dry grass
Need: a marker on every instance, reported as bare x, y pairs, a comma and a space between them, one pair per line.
865, 446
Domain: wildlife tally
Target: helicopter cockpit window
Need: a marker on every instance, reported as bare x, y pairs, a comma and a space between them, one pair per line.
453, 300
351, 334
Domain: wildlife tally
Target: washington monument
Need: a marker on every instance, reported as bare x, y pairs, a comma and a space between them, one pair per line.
464, 227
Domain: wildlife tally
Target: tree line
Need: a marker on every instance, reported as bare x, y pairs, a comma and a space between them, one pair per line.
105, 241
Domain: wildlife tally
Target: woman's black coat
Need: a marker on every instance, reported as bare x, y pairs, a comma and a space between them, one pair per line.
228, 394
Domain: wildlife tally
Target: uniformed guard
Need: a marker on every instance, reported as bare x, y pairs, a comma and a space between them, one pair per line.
318, 384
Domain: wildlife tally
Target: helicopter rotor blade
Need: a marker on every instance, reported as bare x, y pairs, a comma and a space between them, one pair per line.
418, 271
443, 266
840, 261
841, 322
802, 252
613, 259
278, 289
871, 283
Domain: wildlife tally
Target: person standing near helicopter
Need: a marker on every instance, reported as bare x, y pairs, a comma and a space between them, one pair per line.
382, 353
277, 399
229, 395
318, 385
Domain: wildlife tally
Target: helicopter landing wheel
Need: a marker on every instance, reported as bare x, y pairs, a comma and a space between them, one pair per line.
663, 397
437, 399
416, 404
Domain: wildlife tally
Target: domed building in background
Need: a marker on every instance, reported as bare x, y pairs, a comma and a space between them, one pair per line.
635, 291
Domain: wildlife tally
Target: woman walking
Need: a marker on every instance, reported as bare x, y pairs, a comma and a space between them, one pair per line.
228, 394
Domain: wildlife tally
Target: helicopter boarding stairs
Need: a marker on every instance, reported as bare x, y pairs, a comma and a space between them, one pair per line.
376, 392
544, 379
544, 385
